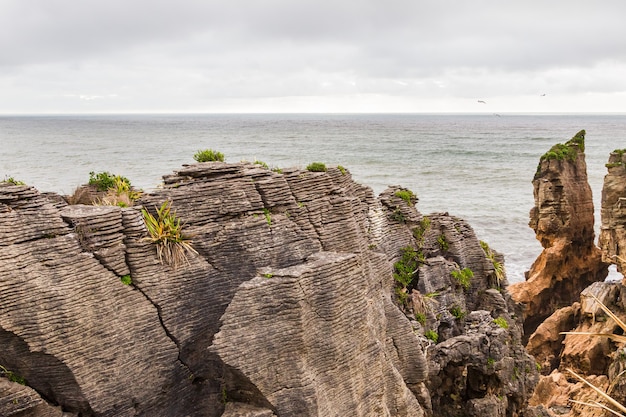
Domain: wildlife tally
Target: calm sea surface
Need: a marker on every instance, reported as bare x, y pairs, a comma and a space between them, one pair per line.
478, 167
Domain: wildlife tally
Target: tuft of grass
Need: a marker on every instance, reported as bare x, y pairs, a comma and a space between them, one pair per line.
126, 280
457, 312
261, 163
407, 195
432, 335
268, 217
166, 232
443, 242
13, 181
421, 318
208, 155
316, 167
497, 266
406, 267
565, 151
463, 277
12, 376
341, 169
501, 322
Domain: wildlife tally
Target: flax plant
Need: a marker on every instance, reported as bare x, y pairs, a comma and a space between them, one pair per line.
165, 230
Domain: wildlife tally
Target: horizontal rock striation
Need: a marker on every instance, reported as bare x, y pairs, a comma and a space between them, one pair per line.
562, 219
288, 308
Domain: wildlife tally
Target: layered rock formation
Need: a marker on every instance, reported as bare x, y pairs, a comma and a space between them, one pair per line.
613, 229
563, 222
286, 310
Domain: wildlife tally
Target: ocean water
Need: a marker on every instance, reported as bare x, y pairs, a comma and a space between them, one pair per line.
478, 167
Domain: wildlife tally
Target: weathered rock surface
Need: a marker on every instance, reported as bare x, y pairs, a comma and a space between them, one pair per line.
287, 309
563, 222
612, 238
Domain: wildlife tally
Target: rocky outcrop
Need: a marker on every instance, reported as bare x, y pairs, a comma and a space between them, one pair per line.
613, 227
563, 222
287, 309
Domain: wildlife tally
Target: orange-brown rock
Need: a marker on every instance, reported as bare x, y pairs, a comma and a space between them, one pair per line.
562, 219
613, 231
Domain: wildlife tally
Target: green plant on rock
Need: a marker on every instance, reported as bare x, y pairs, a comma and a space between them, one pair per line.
261, 163
12, 376
398, 216
208, 155
126, 280
407, 195
406, 267
457, 312
420, 231
421, 318
316, 167
268, 216
565, 151
13, 181
119, 190
341, 169
498, 267
463, 277
166, 232
432, 335
443, 242
501, 322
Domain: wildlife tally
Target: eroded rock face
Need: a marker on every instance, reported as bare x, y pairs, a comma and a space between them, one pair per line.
287, 309
563, 222
613, 231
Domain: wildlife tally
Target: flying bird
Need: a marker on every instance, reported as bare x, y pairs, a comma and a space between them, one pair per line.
481, 101
543, 95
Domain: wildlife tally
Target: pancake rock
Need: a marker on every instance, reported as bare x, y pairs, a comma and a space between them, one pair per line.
286, 307
562, 219
613, 228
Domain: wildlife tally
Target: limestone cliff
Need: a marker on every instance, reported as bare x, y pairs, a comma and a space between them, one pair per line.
287, 309
613, 229
562, 219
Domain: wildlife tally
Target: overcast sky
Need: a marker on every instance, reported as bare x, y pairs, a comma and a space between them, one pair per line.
119, 56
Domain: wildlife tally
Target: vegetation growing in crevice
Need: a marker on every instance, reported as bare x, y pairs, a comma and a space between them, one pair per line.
463, 277
620, 154
268, 217
407, 195
498, 267
341, 169
126, 280
166, 232
119, 191
501, 322
443, 242
13, 181
12, 376
432, 335
208, 155
457, 312
261, 163
420, 231
316, 167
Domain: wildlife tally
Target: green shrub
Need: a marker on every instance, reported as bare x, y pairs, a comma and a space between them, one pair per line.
443, 242
208, 155
407, 195
316, 167
261, 163
501, 321
126, 280
104, 181
341, 169
566, 151
457, 312
421, 318
463, 277
13, 181
406, 267
420, 231
432, 335
166, 232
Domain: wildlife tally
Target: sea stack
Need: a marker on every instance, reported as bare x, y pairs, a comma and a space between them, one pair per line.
563, 220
